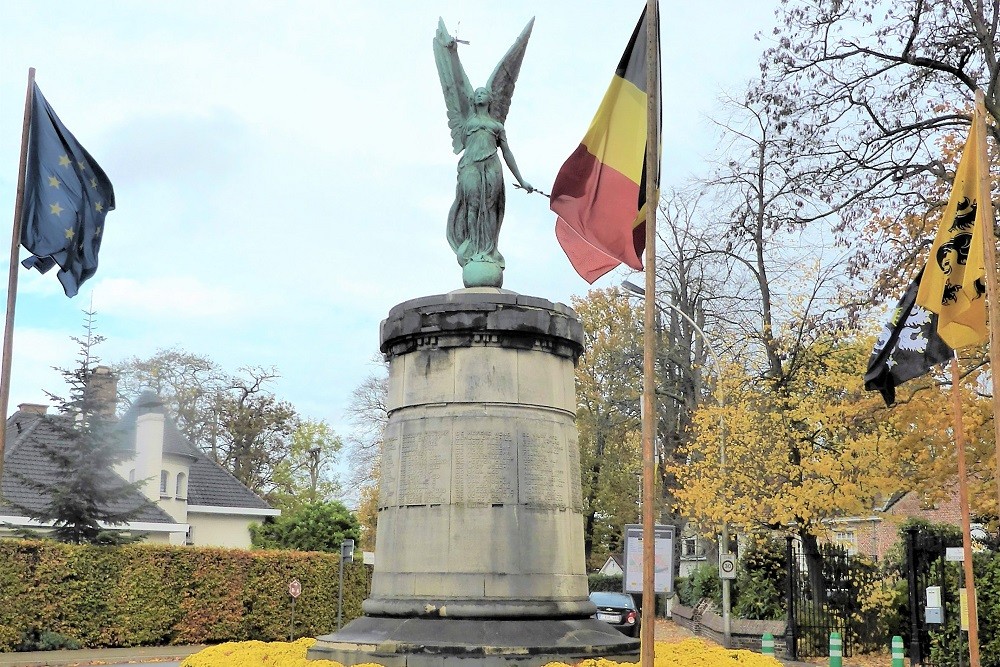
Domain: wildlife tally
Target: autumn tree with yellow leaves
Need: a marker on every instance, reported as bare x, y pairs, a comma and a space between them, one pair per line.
608, 387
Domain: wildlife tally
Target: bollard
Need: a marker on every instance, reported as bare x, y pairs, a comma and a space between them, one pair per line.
897, 651
767, 644
836, 650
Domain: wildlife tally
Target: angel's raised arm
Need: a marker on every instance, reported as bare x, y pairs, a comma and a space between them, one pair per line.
454, 84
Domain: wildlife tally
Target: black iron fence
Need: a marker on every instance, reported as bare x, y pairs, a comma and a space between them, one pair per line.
825, 591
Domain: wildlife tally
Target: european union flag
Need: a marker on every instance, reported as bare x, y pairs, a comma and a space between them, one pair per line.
66, 198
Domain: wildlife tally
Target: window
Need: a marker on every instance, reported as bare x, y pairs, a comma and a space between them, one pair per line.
848, 540
181, 489
691, 547
189, 538
164, 482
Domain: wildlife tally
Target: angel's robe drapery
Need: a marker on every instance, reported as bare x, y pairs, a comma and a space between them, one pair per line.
599, 194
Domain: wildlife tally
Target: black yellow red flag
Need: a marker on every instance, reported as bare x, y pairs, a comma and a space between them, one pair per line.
599, 194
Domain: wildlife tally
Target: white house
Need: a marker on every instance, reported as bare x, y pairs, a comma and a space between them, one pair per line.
185, 498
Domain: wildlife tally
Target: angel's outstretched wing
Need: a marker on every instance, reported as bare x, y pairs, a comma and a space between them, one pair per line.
454, 84
501, 83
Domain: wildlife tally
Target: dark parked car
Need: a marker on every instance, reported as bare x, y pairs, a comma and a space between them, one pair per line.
617, 609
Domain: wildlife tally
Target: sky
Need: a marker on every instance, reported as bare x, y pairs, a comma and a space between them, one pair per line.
283, 170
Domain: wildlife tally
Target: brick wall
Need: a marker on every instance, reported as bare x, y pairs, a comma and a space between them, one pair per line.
876, 535
703, 621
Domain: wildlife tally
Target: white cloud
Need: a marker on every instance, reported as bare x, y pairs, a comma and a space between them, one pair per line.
168, 298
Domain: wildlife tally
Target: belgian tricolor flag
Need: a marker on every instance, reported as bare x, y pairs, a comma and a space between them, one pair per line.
600, 192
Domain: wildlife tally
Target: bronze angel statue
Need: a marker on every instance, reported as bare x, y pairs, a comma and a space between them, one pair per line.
476, 119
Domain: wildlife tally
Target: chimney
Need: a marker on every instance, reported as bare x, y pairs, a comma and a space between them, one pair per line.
149, 444
103, 389
33, 408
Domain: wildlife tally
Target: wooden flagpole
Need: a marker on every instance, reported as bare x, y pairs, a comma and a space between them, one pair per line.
648, 626
993, 295
963, 500
15, 247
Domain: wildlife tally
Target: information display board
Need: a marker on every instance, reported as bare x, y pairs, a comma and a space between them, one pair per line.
663, 548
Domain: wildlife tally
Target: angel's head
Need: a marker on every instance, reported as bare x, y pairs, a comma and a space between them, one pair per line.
481, 96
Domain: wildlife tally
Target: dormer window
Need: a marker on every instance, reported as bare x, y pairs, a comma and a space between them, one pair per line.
164, 482
181, 487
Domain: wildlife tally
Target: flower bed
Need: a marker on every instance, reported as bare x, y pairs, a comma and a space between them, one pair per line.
688, 653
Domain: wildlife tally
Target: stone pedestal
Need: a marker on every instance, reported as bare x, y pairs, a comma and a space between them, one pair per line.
480, 528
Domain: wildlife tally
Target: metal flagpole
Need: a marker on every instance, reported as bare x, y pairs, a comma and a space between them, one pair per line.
15, 247
989, 255
963, 500
648, 627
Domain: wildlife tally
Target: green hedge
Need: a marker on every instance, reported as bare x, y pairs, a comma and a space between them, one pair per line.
947, 642
141, 594
605, 582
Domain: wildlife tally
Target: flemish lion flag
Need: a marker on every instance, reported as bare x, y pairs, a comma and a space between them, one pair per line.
907, 347
954, 285
600, 191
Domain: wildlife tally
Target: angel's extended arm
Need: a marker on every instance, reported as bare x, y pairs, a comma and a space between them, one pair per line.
454, 84
508, 157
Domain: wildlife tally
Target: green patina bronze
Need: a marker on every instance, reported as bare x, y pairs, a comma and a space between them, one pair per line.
476, 119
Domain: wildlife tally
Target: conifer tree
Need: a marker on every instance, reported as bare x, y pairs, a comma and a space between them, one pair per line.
85, 492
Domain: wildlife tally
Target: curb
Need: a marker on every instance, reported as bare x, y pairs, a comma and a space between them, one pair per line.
70, 658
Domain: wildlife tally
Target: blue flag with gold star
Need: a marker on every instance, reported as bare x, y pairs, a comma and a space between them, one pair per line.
66, 198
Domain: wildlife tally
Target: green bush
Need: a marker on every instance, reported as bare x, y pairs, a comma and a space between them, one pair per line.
705, 583
149, 595
685, 592
605, 582
320, 526
947, 643
760, 585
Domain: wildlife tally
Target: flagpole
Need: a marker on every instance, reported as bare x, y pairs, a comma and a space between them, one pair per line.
15, 247
992, 293
963, 500
647, 630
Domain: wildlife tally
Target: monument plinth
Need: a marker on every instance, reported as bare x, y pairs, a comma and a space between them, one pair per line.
479, 553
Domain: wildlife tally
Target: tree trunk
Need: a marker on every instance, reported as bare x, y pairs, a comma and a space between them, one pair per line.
814, 568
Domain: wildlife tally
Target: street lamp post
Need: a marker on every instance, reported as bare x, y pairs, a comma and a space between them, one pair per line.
724, 542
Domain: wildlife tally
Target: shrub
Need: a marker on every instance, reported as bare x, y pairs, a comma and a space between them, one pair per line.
311, 527
606, 582
948, 642
761, 581
685, 591
705, 583
148, 595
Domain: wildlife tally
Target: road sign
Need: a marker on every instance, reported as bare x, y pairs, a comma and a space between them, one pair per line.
727, 566
294, 588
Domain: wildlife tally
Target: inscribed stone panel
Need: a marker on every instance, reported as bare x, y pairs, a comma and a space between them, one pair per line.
541, 465
484, 467
389, 468
424, 466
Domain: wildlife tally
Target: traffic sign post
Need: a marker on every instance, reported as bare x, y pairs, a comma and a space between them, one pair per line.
727, 566
295, 590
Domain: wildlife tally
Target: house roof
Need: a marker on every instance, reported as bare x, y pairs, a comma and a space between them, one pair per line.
208, 482
28, 433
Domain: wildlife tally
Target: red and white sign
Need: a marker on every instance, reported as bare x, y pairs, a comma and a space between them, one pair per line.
294, 588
